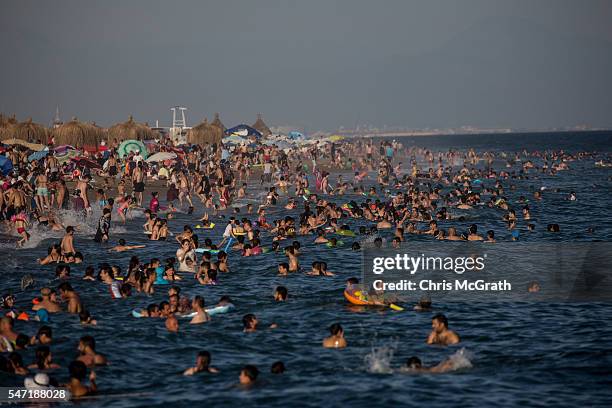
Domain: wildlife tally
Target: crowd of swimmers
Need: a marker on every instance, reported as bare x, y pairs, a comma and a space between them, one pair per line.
404, 201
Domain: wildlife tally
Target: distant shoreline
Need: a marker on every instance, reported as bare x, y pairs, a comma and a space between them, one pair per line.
519, 132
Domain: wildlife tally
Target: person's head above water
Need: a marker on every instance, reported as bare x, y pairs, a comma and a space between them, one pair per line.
248, 375
249, 322
439, 323
336, 330
413, 363
280, 294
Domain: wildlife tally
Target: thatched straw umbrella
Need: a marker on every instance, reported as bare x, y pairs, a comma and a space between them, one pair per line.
131, 130
217, 122
261, 126
204, 133
7, 126
77, 134
30, 132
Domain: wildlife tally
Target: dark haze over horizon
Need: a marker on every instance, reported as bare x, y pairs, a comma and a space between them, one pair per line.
315, 64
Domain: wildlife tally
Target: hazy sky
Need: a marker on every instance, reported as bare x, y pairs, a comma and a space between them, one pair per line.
314, 63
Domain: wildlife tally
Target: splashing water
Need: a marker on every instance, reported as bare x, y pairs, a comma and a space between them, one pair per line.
461, 359
378, 360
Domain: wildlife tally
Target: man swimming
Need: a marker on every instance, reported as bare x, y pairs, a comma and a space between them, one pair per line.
336, 340
202, 365
123, 247
441, 334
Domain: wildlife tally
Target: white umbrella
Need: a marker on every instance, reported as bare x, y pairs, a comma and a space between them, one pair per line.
233, 139
161, 156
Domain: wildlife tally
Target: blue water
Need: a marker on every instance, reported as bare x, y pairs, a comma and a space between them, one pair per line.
523, 354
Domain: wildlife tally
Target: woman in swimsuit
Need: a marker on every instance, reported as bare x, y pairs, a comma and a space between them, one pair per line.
124, 207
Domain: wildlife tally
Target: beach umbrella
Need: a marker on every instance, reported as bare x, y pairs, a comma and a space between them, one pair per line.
281, 144
38, 155
336, 138
261, 126
6, 165
32, 146
132, 145
77, 134
66, 155
161, 156
130, 130
204, 133
243, 131
63, 149
235, 139
85, 162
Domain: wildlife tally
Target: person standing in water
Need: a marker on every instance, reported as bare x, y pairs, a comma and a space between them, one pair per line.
440, 333
138, 180
336, 340
202, 365
103, 226
67, 245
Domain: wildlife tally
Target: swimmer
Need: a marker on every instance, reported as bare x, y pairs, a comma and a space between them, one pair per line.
250, 322
8, 336
278, 367
67, 244
78, 371
202, 365
44, 359
248, 375
424, 305
336, 340
86, 319
283, 269
414, 365
198, 306
87, 351
172, 324
441, 334
69, 295
123, 247
46, 302
473, 233
280, 294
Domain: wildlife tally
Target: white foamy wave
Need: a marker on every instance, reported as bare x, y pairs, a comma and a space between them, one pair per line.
369, 239
83, 225
461, 359
118, 229
135, 213
378, 360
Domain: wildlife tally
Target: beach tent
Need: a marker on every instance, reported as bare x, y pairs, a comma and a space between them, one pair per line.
243, 131
161, 156
132, 145
6, 165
